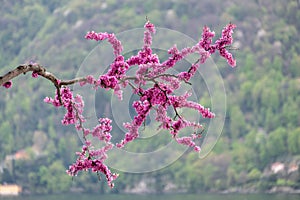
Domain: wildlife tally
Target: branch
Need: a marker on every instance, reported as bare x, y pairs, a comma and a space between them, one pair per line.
23, 69
40, 70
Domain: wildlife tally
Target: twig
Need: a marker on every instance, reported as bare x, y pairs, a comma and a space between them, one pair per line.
41, 71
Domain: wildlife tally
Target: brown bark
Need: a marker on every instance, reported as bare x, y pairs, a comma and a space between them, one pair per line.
41, 71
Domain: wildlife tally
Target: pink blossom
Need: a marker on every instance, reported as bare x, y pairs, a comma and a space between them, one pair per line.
221, 44
86, 132
188, 141
176, 56
177, 125
34, 74
55, 101
230, 60
226, 38
150, 27
161, 116
147, 39
206, 39
102, 131
92, 35
130, 135
7, 84
116, 44
85, 162
157, 94
89, 79
184, 76
145, 55
155, 87
197, 148
110, 80
118, 68
118, 92
107, 81
142, 109
134, 60
71, 104
173, 83
181, 101
142, 72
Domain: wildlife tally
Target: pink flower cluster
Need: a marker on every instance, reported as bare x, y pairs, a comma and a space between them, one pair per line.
150, 29
155, 87
86, 161
181, 101
177, 55
55, 102
160, 95
102, 130
116, 44
189, 141
68, 102
88, 158
117, 70
145, 55
93, 159
156, 91
89, 79
142, 108
221, 44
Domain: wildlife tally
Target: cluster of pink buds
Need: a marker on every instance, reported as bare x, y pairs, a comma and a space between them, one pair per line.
7, 84
93, 160
156, 90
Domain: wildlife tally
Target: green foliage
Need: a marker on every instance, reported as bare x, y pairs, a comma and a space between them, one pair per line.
263, 93
276, 143
294, 141
294, 66
7, 141
254, 175
237, 123
50, 179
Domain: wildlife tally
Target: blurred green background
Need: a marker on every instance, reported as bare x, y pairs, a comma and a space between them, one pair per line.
259, 149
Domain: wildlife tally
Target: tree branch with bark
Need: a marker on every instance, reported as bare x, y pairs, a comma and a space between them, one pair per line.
152, 83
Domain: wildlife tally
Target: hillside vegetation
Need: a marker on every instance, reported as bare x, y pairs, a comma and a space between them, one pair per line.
263, 93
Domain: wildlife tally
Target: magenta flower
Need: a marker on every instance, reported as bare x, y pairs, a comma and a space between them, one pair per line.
221, 44
150, 27
206, 39
34, 74
116, 44
155, 87
188, 141
85, 161
8, 84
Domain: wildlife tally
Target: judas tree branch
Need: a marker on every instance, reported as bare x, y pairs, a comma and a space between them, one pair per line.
41, 71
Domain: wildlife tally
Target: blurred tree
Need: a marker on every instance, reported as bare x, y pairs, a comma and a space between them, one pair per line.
276, 143
294, 141
294, 65
254, 175
7, 139
237, 122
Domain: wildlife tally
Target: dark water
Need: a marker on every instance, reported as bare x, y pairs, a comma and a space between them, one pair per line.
159, 197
